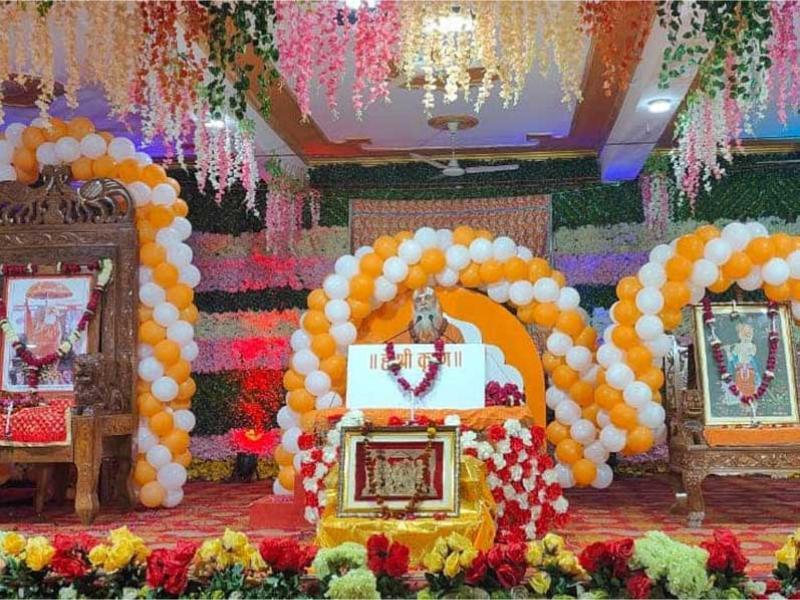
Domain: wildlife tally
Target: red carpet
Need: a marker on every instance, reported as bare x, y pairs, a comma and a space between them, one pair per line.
762, 512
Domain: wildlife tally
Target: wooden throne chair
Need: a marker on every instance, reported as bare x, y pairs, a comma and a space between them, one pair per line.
53, 224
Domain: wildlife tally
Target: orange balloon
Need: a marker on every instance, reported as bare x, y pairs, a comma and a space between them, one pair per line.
176, 440
292, 380
142, 386
358, 309
653, 377
180, 208
559, 278
538, 268
721, 284
79, 127
147, 233
624, 336
27, 177
625, 312
402, 236
590, 412
323, 345
166, 275
129, 171
190, 314
161, 423
55, 130
33, 137
485, 234
783, 244
416, 278
152, 175
640, 439
282, 456
623, 416
335, 366
361, 287
173, 183
563, 377
515, 269
569, 451
151, 333
570, 322
463, 235
628, 287
491, 271
180, 371
432, 261
286, 478
160, 216
545, 314
739, 265
152, 494
152, 254
301, 401
587, 337
371, 265
707, 232
556, 432
584, 472
186, 390
676, 294
107, 136
181, 295
184, 459
104, 166
582, 392
144, 472
760, 250
525, 313
385, 247
551, 361
317, 299
678, 268
690, 246
148, 404
794, 289
671, 319
314, 322
639, 358
778, 293
607, 397
471, 275
24, 158
167, 352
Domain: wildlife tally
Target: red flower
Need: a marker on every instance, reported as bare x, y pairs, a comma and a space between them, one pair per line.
515, 553
773, 586
593, 556
396, 564
307, 469
495, 433
395, 421
385, 557
477, 570
509, 576
255, 442
725, 552
69, 566
169, 570
639, 585
306, 441
286, 555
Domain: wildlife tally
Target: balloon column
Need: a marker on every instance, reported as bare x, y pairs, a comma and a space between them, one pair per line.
166, 281
508, 273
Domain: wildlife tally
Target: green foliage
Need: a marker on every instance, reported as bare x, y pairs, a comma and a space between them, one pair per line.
214, 404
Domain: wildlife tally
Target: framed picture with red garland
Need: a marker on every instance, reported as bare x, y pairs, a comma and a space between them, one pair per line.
745, 364
392, 472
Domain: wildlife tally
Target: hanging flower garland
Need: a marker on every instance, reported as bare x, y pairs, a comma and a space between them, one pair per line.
656, 189
428, 377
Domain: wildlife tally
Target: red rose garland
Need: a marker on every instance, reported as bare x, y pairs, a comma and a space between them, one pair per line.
431, 370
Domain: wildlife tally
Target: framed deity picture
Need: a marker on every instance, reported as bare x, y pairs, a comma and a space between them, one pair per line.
390, 467
743, 330
43, 311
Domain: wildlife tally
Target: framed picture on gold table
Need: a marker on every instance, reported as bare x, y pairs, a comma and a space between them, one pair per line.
386, 467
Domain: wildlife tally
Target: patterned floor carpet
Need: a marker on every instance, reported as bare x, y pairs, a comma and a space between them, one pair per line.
762, 512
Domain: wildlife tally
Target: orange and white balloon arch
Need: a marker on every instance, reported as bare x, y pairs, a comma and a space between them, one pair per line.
166, 284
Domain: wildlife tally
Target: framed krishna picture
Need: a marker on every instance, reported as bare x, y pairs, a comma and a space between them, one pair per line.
745, 364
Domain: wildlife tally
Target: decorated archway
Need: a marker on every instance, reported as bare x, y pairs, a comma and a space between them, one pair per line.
507, 273
166, 281
649, 305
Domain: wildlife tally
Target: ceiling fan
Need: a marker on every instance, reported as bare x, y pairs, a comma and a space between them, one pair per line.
452, 168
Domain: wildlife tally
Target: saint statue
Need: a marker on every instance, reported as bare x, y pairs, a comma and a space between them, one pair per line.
44, 335
742, 361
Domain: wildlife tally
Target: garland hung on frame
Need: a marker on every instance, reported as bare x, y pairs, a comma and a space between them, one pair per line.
34, 364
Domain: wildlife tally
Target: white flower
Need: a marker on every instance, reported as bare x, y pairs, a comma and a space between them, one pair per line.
332, 438
516, 473
494, 481
523, 502
310, 484
550, 476
453, 420
311, 514
512, 426
329, 455
321, 497
469, 439
530, 531
560, 505
352, 418
64, 347
509, 492
485, 450
320, 470
526, 437
105, 272
529, 483
499, 461
503, 446
536, 512
542, 496
522, 457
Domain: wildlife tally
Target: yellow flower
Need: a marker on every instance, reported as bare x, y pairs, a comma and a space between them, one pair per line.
433, 562
468, 556
119, 555
456, 541
534, 554
13, 543
98, 555
120, 534
568, 563
254, 559
451, 565
234, 540
553, 543
210, 550
441, 548
540, 582
787, 555
141, 552
38, 553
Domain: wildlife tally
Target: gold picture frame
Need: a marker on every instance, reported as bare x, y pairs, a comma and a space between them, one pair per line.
745, 346
400, 455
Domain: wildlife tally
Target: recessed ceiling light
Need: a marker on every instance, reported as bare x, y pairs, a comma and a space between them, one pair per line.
659, 105
214, 124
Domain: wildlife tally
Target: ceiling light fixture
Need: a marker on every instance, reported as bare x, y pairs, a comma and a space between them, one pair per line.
214, 124
659, 105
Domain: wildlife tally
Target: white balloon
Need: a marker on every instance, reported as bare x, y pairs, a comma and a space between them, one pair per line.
143, 158
652, 274
503, 248
384, 291
181, 332
793, 260
696, 293
144, 351
362, 252
318, 383
165, 314
583, 431
649, 300
661, 254
337, 311
183, 226
613, 439
480, 250
172, 499
336, 287
395, 269
305, 361
619, 376
596, 452
68, 149
579, 358
590, 375
567, 412
14, 133
140, 192
649, 327
718, 251
346, 266
150, 369
344, 333
546, 290
737, 235
93, 146
498, 291
184, 419
180, 255
145, 439
7, 172
637, 394
447, 278
167, 236
651, 415
660, 346
554, 396
279, 490
603, 419
660, 434
704, 273
289, 439
165, 389
444, 238
524, 253
164, 195
145, 275
752, 281
46, 154
190, 351
189, 275
286, 418
457, 257
756, 229
564, 475
329, 400
300, 340
410, 251
603, 477
172, 476
6, 152
558, 343
608, 355
426, 237
568, 298
121, 148
521, 292
775, 272
158, 456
